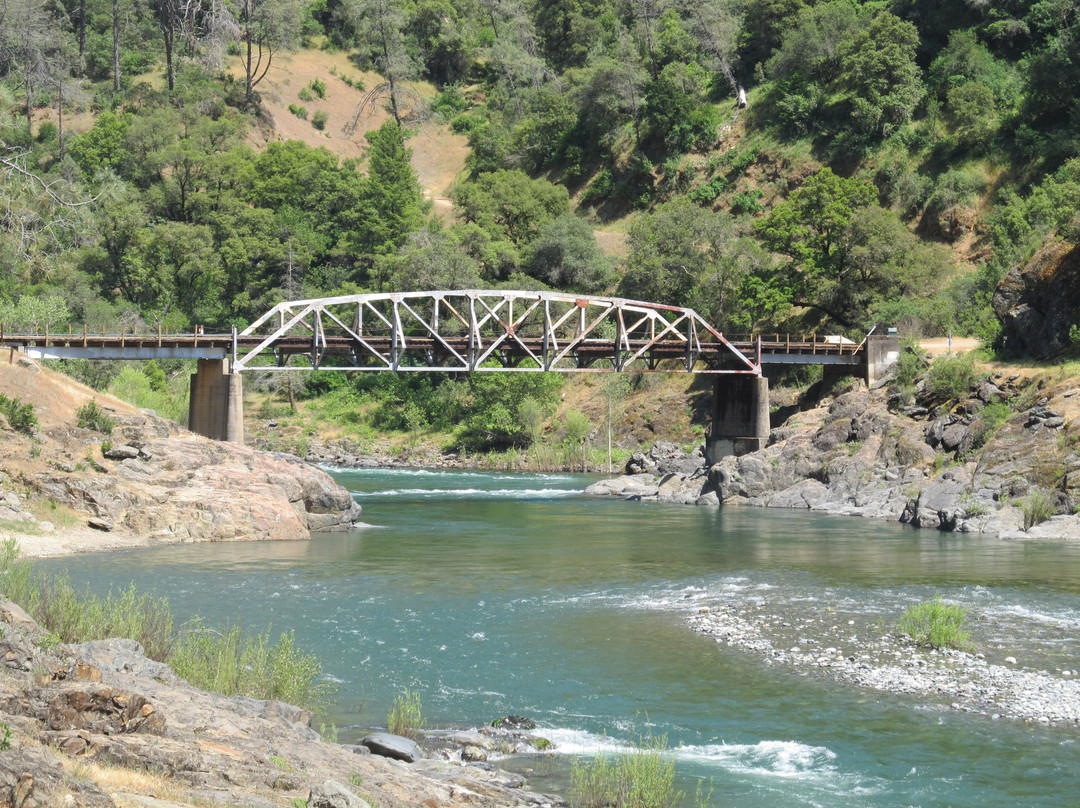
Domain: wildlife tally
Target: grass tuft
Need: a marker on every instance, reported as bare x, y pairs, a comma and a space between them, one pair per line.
237, 665
936, 624
406, 717
1037, 507
641, 778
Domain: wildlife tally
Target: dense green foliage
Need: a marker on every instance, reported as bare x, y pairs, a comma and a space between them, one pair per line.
895, 160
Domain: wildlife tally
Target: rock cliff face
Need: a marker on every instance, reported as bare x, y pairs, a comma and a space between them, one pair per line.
1038, 303
959, 465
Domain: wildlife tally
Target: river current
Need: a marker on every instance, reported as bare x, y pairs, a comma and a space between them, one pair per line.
491, 593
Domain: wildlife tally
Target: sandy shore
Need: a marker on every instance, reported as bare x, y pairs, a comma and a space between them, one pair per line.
78, 539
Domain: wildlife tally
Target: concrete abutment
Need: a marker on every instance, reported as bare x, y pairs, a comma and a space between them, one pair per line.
740, 417
216, 405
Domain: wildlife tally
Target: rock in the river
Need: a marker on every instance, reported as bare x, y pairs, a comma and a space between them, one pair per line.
392, 746
516, 722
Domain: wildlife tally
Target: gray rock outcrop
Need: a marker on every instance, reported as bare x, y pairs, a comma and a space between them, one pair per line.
1039, 303
952, 465
188, 488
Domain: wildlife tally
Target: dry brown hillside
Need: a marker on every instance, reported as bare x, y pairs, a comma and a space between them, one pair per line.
438, 153
54, 396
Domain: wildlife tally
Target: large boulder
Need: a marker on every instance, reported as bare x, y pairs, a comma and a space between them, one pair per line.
188, 488
1038, 303
397, 747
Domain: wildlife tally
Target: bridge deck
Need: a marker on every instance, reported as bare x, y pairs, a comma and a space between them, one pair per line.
775, 349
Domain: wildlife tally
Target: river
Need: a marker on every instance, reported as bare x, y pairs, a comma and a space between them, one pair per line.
492, 593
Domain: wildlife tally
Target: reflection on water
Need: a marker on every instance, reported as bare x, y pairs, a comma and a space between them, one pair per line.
498, 593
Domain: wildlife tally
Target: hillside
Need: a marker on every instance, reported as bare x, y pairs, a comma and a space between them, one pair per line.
797, 167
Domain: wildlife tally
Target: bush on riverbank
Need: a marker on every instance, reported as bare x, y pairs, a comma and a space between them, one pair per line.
641, 778
73, 617
936, 624
229, 662
224, 662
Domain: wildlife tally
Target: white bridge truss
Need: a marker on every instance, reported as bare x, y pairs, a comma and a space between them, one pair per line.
472, 330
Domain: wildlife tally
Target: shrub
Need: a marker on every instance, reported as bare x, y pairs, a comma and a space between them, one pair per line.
706, 193
20, 416
405, 716
318, 87
747, 203
75, 617
641, 778
92, 416
952, 376
305, 94
936, 624
230, 663
298, 111
1037, 507
318, 120
988, 422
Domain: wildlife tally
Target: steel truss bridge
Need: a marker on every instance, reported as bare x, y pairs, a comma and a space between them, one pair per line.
462, 331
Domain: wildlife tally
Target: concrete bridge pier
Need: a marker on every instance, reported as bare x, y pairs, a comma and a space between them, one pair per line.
740, 417
216, 407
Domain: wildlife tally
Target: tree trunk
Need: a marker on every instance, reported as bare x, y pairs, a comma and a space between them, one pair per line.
170, 74
116, 44
82, 37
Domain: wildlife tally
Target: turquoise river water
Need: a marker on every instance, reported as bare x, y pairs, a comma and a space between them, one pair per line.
492, 593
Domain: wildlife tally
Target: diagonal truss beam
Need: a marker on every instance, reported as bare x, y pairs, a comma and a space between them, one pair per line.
475, 330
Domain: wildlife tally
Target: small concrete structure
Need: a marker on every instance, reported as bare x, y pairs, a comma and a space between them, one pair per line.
740, 417
882, 352
216, 406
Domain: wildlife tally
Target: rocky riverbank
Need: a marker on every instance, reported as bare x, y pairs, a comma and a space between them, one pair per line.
145, 481
976, 463
100, 725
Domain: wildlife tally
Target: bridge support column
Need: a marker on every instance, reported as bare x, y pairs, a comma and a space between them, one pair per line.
216, 407
740, 417
882, 352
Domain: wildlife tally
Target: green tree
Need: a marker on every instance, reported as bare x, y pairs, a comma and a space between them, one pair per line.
393, 200
264, 26
510, 205
103, 147
812, 227
429, 259
681, 252
880, 75
565, 255
676, 110
380, 29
